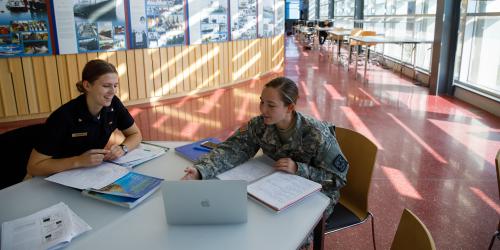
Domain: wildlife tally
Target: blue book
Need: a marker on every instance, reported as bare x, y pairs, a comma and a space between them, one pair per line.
194, 151
127, 191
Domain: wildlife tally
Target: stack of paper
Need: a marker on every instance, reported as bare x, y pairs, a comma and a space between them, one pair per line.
50, 228
141, 154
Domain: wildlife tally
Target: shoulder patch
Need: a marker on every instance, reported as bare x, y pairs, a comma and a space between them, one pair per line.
340, 163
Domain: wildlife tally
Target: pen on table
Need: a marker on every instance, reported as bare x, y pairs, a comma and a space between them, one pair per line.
201, 149
154, 144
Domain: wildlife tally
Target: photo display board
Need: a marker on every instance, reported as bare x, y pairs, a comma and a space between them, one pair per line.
279, 15
157, 23
24, 28
243, 19
90, 25
266, 18
208, 21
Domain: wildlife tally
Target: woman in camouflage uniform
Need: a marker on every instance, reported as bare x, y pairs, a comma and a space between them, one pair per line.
298, 143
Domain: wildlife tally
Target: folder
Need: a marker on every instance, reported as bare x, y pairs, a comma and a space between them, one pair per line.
194, 151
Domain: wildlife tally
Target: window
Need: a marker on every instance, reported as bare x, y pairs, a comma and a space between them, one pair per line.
312, 10
292, 9
324, 9
477, 62
344, 8
412, 18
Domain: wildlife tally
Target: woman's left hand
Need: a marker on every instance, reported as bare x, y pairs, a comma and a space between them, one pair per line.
286, 165
114, 152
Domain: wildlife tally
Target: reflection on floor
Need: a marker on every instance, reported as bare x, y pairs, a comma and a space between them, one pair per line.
436, 154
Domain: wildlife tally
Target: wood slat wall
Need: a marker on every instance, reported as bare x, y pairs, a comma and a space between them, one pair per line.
33, 87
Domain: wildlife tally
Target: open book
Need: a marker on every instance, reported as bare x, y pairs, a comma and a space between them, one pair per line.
50, 228
276, 189
109, 182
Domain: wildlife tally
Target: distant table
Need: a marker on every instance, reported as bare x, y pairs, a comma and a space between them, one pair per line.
339, 36
388, 39
144, 227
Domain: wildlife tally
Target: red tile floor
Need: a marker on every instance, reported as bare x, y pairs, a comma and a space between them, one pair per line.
436, 153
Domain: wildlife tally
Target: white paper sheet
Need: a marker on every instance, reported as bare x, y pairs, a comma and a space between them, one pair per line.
50, 228
139, 155
251, 170
94, 177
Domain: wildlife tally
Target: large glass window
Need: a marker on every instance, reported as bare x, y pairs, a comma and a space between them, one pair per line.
477, 62
344, 8
312, 10
324, 9
411, 18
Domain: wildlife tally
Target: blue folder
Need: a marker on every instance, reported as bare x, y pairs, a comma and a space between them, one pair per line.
194, 151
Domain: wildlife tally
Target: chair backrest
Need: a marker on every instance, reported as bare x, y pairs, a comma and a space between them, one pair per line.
363, 33
412, 234
360, 153
15, 150
356, 31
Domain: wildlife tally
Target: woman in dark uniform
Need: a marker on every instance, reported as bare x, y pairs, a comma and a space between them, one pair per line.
76, 133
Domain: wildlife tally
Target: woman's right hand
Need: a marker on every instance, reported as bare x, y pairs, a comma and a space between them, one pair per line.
191, 174
92, 157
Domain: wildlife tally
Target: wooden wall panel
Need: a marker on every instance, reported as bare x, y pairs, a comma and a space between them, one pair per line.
172, 76
29, 83
182, 65
121, 67
41, 84
156, 72
163, 71
32, 86
62, 76
15, 65
52, 82
148, 72
139, 73
7, 89
132, 75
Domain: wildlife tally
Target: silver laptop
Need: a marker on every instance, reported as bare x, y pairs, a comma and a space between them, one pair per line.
205, 202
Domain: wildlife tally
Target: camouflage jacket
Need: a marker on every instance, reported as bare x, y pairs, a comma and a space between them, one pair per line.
312, 146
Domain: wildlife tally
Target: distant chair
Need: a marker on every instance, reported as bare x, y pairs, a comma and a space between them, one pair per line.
497, 233
352, 208
15, 150
412, 234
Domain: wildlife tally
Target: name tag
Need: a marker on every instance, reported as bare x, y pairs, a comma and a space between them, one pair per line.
79, 134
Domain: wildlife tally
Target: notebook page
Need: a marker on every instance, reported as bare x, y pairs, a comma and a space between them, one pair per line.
281, 189
251, 170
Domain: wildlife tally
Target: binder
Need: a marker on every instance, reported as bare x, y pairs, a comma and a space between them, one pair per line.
194, 151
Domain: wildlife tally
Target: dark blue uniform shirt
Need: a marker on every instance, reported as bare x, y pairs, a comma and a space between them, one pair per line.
71, 129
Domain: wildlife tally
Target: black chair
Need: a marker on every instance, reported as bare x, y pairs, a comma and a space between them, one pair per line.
15, 148
497, 233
